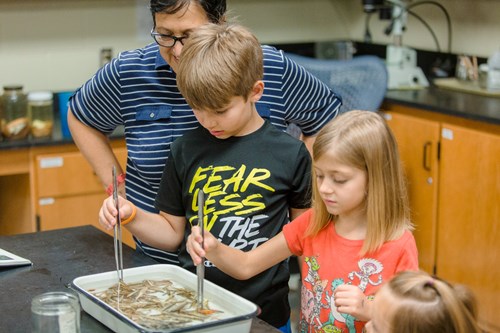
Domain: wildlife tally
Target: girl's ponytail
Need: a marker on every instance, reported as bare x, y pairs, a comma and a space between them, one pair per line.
427, 304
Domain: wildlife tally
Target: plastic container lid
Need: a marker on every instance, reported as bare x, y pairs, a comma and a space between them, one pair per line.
39, 96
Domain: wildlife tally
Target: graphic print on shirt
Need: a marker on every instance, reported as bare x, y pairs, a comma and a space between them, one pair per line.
367, 268
311, 297
232, 199
334, 315
314, 288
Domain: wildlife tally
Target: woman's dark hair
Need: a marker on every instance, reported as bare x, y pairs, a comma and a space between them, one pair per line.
215, 9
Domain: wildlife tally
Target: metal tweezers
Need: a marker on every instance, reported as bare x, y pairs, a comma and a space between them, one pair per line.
200, 269
117, 231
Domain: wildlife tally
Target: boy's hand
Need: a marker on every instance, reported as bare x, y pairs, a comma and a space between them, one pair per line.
193, 244
107, 213
351, 300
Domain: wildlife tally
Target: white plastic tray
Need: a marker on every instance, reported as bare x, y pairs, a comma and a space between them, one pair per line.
236, 317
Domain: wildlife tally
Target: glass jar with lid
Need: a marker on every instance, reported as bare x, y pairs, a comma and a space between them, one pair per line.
41, 113
15, 124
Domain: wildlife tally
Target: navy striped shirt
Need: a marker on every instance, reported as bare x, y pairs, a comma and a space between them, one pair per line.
138, 90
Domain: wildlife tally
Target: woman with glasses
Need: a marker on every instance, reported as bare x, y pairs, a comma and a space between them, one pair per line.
138, 90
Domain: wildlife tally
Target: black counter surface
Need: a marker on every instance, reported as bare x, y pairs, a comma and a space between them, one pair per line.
453, 103
58, 257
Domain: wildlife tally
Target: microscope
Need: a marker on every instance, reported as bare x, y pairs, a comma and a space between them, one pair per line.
401, 61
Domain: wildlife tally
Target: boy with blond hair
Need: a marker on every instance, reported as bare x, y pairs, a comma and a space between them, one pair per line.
254, 176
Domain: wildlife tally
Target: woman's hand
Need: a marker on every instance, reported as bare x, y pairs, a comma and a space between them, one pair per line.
351, 300
193, 244
108, 212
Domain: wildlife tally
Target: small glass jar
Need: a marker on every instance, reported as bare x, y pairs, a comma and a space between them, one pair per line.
41, 113
15, 124
55, 312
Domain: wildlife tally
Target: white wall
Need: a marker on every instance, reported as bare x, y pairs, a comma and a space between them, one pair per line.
55, 44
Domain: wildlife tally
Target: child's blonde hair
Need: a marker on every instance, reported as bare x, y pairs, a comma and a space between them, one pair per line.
425, 304
219, 62
363, 140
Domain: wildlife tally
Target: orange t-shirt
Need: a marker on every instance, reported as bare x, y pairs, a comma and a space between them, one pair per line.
330, 260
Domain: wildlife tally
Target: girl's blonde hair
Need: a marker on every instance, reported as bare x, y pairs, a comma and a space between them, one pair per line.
219, 62
425, 304
363, 140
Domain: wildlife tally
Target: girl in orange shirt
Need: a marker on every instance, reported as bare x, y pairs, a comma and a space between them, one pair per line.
356, 236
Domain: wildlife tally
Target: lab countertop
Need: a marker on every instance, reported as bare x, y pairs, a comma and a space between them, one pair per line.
58, 257
454, 103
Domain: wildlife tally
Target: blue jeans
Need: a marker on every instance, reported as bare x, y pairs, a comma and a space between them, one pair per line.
287, 328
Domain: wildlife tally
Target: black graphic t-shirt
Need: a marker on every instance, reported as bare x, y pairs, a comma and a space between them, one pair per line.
250, 183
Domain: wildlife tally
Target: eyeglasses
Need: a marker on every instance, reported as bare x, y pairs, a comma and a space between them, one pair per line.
166, 40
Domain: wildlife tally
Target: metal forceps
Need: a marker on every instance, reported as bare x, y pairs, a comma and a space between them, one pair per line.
117, 231
200, 269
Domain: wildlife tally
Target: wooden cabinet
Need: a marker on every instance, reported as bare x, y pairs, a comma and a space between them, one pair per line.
16, 210
51, 187
469, 215
418, 141
457, 214
71, 211
15, 204
66, 174
67, 191
14, 162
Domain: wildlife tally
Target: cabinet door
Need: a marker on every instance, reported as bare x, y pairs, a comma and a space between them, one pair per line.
418, 146
69, 173
65, 174
68, 191
15, 205
469, 216
72, 211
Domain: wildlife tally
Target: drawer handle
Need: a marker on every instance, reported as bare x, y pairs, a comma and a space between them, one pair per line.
427, 158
